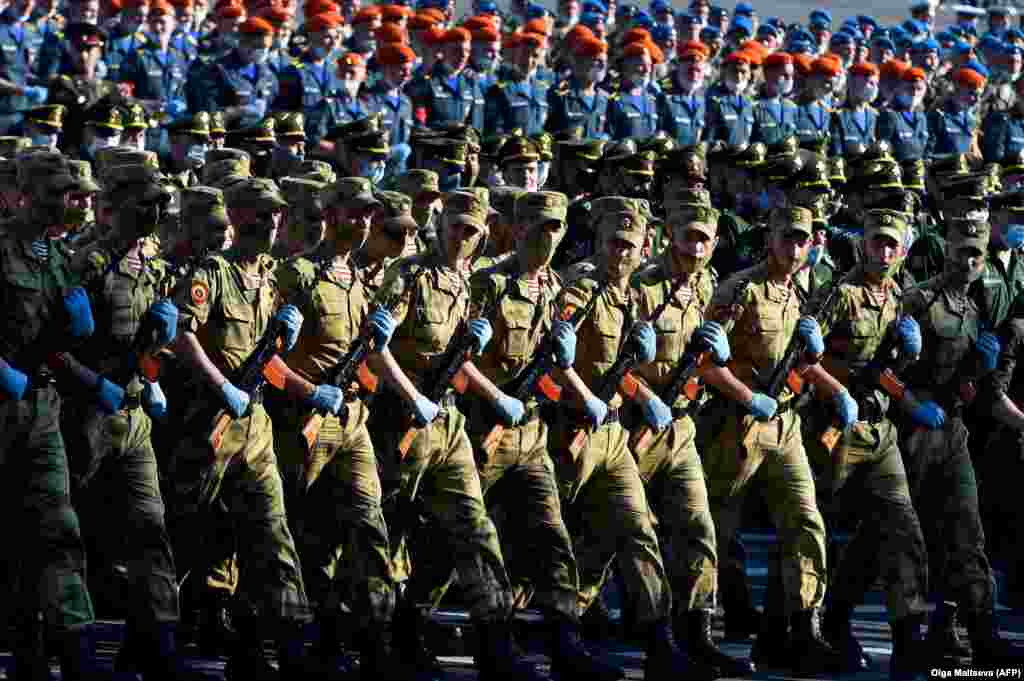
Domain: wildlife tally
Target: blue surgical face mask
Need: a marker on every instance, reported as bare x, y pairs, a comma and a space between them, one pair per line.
1013, 235
196, 155
450, 182
904, 101
258, 55
763, 202
372, 170
319, 52
814, 255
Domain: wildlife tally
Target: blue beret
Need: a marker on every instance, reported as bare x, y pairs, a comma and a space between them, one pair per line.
626, 10
961, 48
718, 12
777, 22
661, 33
818, 22
990, 42
978, 67
741, 22
656, 6
884, 43
642, 20
535, 11
926, 45
853, 32
1014, 34
743, 9
863, 19
820, 14
596, 7
710, 33
841, 39
433, 4
687, 19
945, 37
768, 29
487, 7
591, 19
801, 47
914, 27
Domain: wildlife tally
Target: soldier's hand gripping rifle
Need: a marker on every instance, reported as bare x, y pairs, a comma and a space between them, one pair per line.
352, 367
535, 377
262, 366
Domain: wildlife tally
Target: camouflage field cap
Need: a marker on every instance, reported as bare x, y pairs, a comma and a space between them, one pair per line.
967, 233
291, 125
121, 156
82, 172
396, 214
885, 222
134, 181
134, 117
49, 116
318, 171
467, 206
536, 208
691, 209
225, 153
349, 192
203, 207
257, 193
421, 185
304, 196
197, 124
794, 218
619, 217
215, 173
503, 200
45, 171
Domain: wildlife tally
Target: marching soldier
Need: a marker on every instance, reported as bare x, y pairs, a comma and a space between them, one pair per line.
157, 70
814, 106
775, 113
853, 124
1004, 130
678, 287
682, 102
633, 110
953, 126
16, 94
578, 103
303, 223
346, 106
390, 100
904, 125
730, 116
392, 237
449, 92
519, 101
313, 77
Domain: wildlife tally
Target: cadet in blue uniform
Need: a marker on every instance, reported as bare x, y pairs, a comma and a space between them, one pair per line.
633, 111
157, 71
905, 125
774, 112
241, 83
577, 104
853, 124
730, 114
520, 100
450, 93
814, 118
681, 107
1004, 130
953, 129
312, 78
130, 38
348, 104
485, 55
17, 38
184, 39
390, 101
220, 42
53, 54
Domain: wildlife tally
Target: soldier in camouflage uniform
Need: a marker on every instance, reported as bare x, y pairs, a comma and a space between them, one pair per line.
681, 281
438, 474
304, 223
866, 468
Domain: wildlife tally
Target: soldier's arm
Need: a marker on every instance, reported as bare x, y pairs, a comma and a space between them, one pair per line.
1004, 410
194, 301
494, 123
728, 307
570, 299
994, 143
836, 139
383, 362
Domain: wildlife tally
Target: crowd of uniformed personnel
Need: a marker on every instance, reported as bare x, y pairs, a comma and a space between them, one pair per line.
324, 322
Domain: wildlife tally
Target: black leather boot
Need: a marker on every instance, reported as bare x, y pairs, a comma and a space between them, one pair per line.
570, 658
812, 654
77, 654
409, 640
664, 658
944, 643
771, 649
215, 633
908, 654
495, 658
31, 662
839, 633
989, 650
248, 659
700, 645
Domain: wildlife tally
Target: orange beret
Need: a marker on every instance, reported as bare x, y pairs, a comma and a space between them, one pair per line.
278, 16
510, 40
538, 26
314, 7
349, 59
256, 26
394, 12
131, 4
636, 35
802, 63
393, 54
641, 48
692, 48
391, 33
578, 32
161, 7
755, 47
894, 68
486, 34
864, 68
473, 23
532, 39
969, 78
435, 14
324, 22
910, 75
776, 59
456, 35
365, 15
433, 35
739, 57
589, 47
421, 21
827, 67
230, 10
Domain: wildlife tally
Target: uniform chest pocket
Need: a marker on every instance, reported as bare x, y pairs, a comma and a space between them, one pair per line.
669, 329
123, 316
516, 317
238, 325
24, 299
609, 334
864, 336
953, 337
335, 320
435, 323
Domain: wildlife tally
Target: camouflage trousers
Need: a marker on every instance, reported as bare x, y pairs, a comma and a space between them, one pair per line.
674, 477
864, 478
48, 565
437, 479
121, 483
333, 497
245, 476
773, 459
609, 519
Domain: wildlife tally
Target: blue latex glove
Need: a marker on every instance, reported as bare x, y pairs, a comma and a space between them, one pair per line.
929, 415
762, 407
480, 330
13, 382
846, 408
657, 414
424, 411
909, 333
327, 398
646, 340
237, 400
510, 410
76, 302
36, 94
382, 326
176, 107
714, 336
290, 316
154, 402
165, 313
109, 395
596, 410
565, 343
810, 332
988, 347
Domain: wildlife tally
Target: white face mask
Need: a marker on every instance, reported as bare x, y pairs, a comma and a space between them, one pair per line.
784, 85
351, 87
735, 85
598, 72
